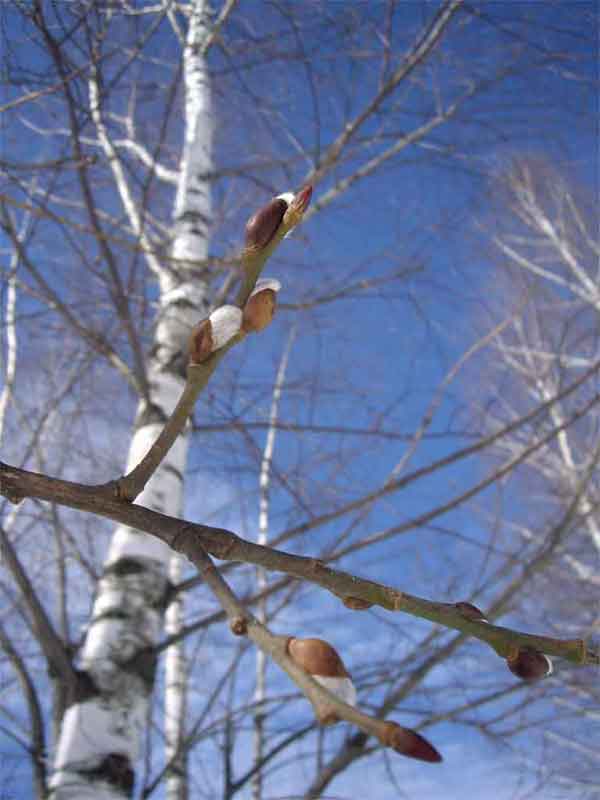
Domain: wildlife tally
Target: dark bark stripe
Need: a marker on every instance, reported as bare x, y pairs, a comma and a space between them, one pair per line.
125, 566
150, 414
143, 665
116, 770
193, 215
171, 470
84, 689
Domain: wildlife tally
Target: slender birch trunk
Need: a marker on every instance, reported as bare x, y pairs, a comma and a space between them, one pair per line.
175, 695
261, 575
104, 726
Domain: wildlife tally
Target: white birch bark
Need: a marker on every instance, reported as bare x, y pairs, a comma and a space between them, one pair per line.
103, 729
175, 694
261, 575
10, 324
191, 215
563, 260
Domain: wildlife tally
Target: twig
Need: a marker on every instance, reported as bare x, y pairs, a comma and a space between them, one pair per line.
253, 259
243, 623
190, 539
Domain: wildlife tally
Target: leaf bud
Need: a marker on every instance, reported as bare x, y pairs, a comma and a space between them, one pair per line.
260, 308
469, 611
201, 342
226, 323
408, 743
213, 333
356, 603
529, 664
299, 201
297, 205
322, 661
262, 226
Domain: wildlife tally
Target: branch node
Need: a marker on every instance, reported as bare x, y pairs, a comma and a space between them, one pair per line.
177, 542
12, 494
239, 626
224, 548
317, 566
355, 603
121, 489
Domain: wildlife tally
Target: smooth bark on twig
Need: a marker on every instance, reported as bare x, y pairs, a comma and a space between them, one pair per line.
192, 539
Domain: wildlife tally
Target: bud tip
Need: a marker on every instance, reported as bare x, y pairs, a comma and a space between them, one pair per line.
409, 743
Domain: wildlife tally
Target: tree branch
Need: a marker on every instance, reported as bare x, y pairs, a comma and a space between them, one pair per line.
192, 539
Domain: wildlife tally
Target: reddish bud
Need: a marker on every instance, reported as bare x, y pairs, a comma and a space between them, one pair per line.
259, 311
213, 333
201, 342
262, 226
408, 743
302, 199
529, 664
469, 611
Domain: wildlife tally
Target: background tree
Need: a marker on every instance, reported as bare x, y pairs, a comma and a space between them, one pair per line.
140, 138
547, 245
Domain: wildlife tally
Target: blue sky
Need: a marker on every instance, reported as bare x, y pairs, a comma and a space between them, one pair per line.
380, 354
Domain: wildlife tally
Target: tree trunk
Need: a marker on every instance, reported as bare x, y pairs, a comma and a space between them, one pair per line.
261, 574
104, 725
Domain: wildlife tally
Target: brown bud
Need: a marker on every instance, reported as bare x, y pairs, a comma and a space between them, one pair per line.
322, 662
529, 664
262, 226
259, 311
356, 603
408, 743
316, 657
239, 626
469, 611
201, 342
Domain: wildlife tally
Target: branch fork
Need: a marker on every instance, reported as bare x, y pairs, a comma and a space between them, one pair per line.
225, 327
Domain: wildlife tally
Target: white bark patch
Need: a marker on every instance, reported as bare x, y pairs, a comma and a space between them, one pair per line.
340, 687
73, 788
109, 599
226, 322
142, 440
129, 543
180, 309
163, 493
192, 203
175, 681
92, 729
124, 620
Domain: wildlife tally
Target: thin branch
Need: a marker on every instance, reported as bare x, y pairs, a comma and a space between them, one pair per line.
54, 650
243, 623
37, 748
198, 375
190, 539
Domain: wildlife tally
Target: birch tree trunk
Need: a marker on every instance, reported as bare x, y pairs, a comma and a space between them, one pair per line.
262, 580
103, 727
